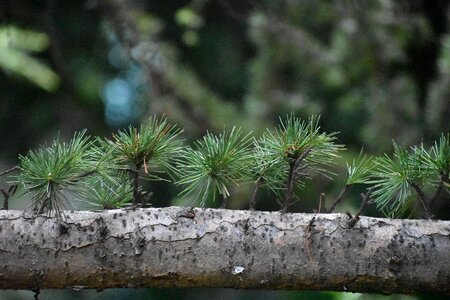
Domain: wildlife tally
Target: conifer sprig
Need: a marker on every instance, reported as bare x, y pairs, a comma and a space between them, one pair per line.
294, 137
439, 157
265, 173
415, 170
107, 173
153, 148
391, 186
299, 147
50, 171
213, 164
107, 192
358, 172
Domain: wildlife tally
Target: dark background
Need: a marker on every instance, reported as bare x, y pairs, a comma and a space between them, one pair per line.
376, 71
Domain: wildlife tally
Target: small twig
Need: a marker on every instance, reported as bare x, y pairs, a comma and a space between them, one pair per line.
224, 202
145, 166
365, 200
255, 191
339, 198
86, 174
12, 189
438, 191
6, 194
298, 172
301, 158
349, 214
82, 175
5, 199
308, 236
136, 192
36, 293
423, 199
15, 168
146, 199
289, 187
292, 178
321, 203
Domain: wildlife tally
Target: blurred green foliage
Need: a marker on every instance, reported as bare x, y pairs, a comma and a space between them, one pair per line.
15, 46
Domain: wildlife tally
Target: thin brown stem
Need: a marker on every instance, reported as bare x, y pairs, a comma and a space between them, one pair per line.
342, 194
321, 203
36, 293
136, 185
5, 199
438, 191
224, 202
15, 168
365, 200
298, 167
83, 175
423, 199
289, 187
308, 236
294, 165
6, 194
254, 193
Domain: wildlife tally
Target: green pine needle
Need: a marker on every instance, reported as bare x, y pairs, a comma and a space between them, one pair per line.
267, 172
154, 146
214, 164
395, 176
391, 186
99, 171
294, 137
49, 171
107, 192
360, 170
440, 155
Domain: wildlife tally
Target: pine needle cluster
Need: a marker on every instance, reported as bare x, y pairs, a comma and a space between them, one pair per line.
107, 173
153, 146
104, 173
213, 164
50, 172
411, 171
296, 148
152, 149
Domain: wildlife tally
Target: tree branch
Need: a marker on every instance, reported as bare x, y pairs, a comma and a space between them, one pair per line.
223, 248
339, 198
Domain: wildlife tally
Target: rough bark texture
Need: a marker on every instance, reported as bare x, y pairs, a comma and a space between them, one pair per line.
185, 247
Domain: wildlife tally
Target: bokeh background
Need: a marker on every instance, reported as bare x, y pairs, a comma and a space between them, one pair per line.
376, 71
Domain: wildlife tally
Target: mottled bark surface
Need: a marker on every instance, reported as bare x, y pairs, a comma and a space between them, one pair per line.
183, 247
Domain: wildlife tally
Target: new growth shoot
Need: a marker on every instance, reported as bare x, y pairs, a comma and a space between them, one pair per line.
107, 173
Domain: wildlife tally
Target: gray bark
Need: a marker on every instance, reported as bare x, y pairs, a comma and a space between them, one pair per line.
185, 247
